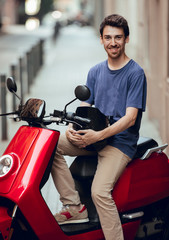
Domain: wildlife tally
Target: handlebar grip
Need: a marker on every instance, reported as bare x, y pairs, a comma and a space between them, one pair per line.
71, 116
82, 120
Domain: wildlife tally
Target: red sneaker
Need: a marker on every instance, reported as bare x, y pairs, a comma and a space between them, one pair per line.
67, 215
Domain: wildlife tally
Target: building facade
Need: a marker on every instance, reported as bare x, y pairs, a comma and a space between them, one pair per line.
8, 12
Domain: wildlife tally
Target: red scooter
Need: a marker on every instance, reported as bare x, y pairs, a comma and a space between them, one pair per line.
141, 194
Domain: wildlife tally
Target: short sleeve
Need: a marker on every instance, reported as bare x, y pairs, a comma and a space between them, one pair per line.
137, 92
90, 84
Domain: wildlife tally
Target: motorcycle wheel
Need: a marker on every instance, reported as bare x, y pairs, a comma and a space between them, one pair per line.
20, 229
166, 225
157, 217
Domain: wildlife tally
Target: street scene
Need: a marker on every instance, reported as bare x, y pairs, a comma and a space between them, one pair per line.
60, 55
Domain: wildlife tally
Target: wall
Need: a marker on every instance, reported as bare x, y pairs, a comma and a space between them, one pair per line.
8, 12
158, 65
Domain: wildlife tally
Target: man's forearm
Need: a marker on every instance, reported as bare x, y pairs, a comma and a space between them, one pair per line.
122, 124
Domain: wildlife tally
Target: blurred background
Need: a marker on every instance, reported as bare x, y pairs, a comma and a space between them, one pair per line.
41, 20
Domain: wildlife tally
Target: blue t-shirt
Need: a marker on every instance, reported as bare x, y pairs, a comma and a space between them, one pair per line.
112, 91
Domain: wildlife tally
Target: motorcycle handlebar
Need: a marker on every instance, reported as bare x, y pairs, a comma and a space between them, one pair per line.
59, 116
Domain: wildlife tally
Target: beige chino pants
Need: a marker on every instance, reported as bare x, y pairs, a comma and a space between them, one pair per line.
111, 163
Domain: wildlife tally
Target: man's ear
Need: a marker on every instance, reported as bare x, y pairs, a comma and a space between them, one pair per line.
127, 39
101, 39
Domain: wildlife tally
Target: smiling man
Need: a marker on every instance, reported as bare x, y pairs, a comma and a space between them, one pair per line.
114, 41
118, 90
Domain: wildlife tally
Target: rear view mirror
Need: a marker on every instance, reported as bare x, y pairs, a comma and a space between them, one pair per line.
82, 92
11, 85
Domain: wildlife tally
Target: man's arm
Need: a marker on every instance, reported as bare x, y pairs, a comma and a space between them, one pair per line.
85, 104
122, 124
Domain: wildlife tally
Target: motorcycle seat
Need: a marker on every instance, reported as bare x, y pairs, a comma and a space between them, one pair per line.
84, 167
143, 144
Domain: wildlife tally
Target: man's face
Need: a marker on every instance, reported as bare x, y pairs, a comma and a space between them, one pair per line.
114, 41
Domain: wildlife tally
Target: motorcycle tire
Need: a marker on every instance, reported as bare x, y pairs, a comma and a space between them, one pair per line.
166, 225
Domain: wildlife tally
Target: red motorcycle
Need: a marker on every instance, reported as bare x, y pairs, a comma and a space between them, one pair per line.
141, 194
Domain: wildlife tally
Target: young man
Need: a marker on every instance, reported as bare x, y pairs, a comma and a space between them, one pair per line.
118, 90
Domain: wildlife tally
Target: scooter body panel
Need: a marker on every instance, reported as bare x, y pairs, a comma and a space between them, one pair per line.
18, 149
33, 148
143, 182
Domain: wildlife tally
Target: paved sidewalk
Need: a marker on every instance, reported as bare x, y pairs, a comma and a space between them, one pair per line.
66, 66
16, 41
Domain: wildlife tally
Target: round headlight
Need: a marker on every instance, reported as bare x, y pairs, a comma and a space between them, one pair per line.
6, 163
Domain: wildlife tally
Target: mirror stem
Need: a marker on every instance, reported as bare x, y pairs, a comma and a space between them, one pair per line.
16, 95
64, 111
6, 114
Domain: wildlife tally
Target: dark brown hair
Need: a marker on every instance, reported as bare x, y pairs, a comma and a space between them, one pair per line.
115, 20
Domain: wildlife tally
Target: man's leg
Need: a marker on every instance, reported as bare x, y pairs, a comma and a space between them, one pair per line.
111, 163
61, 174
75, 212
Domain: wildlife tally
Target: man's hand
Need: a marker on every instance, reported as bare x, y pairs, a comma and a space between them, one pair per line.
82, 138
89, 136
74, 137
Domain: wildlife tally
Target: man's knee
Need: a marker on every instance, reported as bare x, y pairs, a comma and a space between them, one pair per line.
98, 195
61, 144
95, 195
